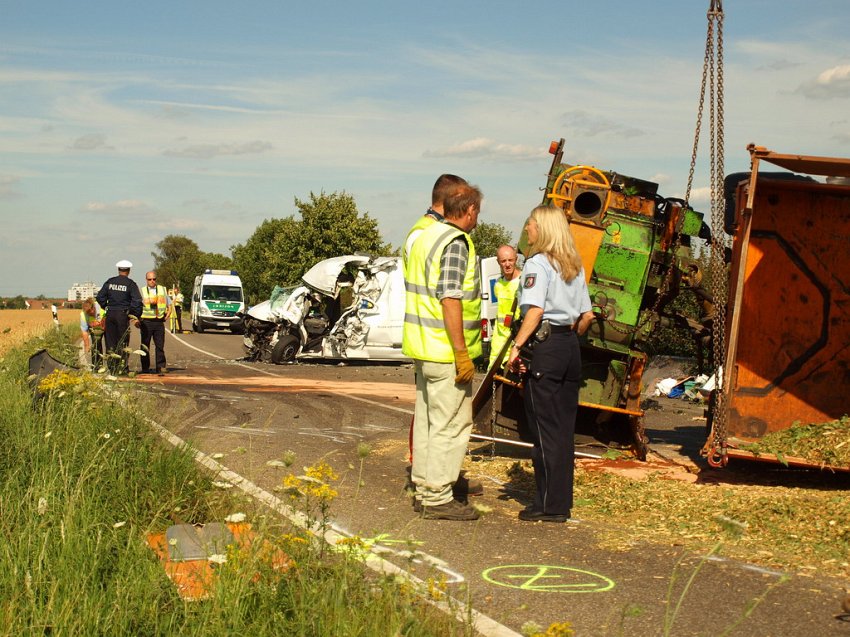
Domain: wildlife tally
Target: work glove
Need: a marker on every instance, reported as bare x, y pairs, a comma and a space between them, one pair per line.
464, 367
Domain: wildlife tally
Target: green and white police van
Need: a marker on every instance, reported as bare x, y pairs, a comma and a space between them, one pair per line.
217, 301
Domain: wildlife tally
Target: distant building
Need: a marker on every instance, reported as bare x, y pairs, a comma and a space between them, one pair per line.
81, 291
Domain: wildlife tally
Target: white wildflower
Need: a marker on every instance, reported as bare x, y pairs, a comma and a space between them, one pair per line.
42, 506
106, 436
173, 541
217, 558
235, 517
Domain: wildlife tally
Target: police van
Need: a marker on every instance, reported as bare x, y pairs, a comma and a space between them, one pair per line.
217, 301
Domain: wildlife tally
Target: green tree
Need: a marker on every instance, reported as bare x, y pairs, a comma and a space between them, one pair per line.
179, 260
487, 238
281, 250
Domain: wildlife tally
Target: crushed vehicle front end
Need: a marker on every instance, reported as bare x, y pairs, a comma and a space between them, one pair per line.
349, 307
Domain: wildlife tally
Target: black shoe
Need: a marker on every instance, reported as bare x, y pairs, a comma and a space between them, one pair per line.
530, 515
464, 487
417, 505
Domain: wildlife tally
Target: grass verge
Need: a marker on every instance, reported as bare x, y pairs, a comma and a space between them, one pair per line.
84, 481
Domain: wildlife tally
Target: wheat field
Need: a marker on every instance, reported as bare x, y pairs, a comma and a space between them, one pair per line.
17, 326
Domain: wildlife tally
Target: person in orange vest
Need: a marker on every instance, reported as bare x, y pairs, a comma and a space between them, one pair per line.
156, 308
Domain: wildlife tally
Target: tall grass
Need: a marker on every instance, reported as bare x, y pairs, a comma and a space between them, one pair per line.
82, 483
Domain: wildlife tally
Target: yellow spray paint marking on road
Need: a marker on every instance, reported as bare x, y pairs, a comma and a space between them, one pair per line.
548, 579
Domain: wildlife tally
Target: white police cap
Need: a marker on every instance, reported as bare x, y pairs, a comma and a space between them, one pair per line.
124, 265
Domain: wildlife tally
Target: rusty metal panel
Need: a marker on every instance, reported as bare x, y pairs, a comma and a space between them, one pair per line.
792, 361
588, 238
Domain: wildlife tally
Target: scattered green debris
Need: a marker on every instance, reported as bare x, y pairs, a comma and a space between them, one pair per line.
827, 443
798, 524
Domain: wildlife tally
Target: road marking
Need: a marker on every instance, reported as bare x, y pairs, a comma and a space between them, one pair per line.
548, 579
451, 606
268, 373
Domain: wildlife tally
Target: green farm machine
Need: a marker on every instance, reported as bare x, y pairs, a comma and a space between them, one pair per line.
635, 246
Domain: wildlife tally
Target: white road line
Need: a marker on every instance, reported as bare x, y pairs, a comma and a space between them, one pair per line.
451, 606
268, 373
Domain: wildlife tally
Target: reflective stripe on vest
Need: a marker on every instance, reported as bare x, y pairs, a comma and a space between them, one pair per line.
425, 336
148, 302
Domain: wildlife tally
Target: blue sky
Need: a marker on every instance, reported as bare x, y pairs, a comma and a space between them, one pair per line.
121, 123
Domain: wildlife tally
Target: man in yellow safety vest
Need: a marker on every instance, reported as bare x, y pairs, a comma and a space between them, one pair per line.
442, 335
156, 308
507, 309
443, 187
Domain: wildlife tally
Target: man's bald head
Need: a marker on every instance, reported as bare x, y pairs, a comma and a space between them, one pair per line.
506, 257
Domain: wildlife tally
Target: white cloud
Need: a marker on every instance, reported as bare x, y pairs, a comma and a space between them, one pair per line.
122, 206
484, 148
833, 82
208, 151
589, 125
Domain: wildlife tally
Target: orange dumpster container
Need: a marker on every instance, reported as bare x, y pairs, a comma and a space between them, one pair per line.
788, 317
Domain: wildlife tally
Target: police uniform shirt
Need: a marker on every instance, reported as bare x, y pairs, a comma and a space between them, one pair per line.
542, 286
120, 293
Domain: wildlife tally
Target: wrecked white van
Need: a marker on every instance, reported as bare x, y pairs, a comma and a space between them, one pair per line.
348, 307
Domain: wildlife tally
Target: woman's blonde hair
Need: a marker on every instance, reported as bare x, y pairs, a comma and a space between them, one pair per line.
555, 240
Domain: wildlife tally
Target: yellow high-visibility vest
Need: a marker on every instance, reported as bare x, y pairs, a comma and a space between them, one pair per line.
96, 323
159, 301
424, 336
505, 292
423, 222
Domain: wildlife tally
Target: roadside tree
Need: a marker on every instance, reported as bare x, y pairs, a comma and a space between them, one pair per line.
487, 238
281, 250
179, 260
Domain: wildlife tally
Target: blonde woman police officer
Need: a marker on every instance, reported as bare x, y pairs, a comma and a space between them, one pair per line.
556, 309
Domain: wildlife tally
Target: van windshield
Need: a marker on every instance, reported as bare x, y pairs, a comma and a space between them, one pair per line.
221, 293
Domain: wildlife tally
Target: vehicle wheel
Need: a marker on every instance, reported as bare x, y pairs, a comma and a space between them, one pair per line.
199, 327
285, 349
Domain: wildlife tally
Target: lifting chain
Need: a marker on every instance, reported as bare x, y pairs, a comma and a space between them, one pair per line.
712, 78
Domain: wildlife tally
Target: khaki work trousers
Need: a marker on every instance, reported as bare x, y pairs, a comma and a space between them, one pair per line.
441, 428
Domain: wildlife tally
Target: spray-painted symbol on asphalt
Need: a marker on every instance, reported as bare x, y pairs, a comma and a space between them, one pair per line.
548, 579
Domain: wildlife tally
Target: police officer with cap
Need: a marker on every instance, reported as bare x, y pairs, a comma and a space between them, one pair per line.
121, 299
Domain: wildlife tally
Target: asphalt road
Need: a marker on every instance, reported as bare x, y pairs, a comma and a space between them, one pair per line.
516, 572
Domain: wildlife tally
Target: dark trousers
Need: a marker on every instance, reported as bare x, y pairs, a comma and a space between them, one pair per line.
179, 311
117, 336
153, 329
551, 403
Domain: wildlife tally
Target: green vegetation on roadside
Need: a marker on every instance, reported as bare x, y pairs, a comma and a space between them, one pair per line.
85, 480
